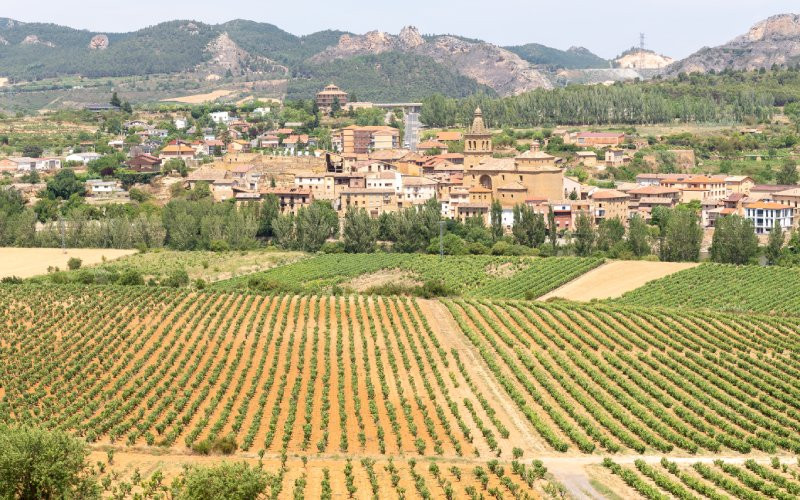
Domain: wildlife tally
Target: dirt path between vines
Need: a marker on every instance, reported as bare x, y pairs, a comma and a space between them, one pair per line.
613, 279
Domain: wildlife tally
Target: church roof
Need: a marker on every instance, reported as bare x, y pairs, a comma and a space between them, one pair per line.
478, 127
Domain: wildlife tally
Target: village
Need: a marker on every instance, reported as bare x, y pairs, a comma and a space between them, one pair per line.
385, 169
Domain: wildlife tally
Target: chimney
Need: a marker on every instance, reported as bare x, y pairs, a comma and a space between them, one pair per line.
535, 146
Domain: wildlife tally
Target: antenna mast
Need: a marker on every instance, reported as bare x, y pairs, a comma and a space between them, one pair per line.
641, 50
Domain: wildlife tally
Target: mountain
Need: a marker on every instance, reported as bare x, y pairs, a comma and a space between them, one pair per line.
572, 58
490, 65
775, 40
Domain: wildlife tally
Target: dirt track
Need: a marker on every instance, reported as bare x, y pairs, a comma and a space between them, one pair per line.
614, 278
28, 262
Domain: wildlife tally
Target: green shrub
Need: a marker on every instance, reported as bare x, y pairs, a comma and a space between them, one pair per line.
176, 279
236, 481
130, 277
74, 263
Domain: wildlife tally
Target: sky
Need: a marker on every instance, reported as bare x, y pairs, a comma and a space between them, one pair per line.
607, 27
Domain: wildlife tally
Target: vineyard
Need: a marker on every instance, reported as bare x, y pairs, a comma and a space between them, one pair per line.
717, 480
610, 379
477, 275
724, 287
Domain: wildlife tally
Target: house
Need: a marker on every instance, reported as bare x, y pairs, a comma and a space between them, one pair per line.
599, 139
615, 157
375, 201
451, 136
220, 117
290, 199
180, 151
698, 187
180, 123
295, 142
387, 179
213, 147
98, 188
609, 204
25, 164
429, 145
246, 176
587, 158
136, 124
208, 175
415, 190
790, 198
363, 140
117, 144
739, 184
84, 158
144, 163
764, 215
330, 95
239, 146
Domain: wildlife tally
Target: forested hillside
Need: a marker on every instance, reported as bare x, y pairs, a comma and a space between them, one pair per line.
390, 76
572, 58
728, 97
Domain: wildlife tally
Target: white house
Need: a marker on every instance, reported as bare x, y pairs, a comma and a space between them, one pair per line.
764, 214
416, 190
220, 117
180, 123
100, 188
24, 164
84, 158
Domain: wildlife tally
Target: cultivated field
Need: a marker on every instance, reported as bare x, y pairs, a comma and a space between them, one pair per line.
27, 262
477, 275
615, 278
724, 287
389, 396
200, 98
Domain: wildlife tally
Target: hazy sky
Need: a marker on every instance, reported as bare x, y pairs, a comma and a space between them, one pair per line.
607, 27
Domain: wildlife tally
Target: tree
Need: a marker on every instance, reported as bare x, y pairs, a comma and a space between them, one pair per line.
269, 211
336, 106
788, 175
529, 227
638, 236
610, 232
774, 244
683, 236
232, 481
32, 151
40, 464
115, 100
734, 241
552, 229
584, 235
496, 218
360, 231
64, 184
315, 224
283, 229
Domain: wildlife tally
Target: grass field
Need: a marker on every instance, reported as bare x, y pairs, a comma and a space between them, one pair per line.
479, 275
725, 287
208, 266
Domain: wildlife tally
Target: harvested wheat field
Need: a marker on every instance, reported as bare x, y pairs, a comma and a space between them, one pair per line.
200, 98
27, 262
613, 279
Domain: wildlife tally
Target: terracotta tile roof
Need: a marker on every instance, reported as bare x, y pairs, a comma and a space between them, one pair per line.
765, 205
449, 136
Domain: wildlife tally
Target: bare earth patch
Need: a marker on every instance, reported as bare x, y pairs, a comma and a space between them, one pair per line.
28, 262
383, 277
613, 279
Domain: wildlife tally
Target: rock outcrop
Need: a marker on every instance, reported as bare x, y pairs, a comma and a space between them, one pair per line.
773, 41
34, 40
226, 55
3, 41
99, 42
638, 59
488, 64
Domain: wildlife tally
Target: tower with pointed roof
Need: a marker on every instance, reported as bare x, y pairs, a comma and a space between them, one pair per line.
477, 141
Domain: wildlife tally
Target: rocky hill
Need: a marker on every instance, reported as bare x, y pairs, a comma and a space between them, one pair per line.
773, 41
642, 59
572, 58
487, 64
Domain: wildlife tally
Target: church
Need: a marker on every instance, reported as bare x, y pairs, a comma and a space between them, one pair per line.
532, 175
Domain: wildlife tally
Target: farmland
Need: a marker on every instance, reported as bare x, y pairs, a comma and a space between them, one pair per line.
348, 394
26, 262
724, 287
478, 275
